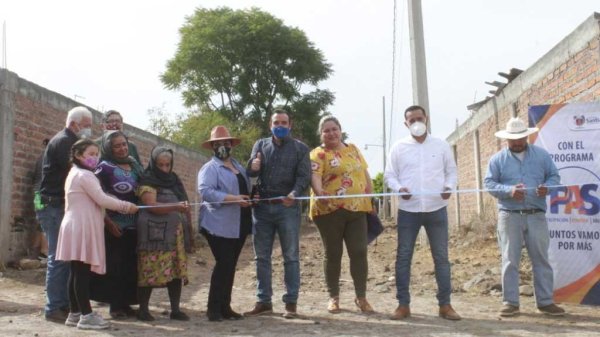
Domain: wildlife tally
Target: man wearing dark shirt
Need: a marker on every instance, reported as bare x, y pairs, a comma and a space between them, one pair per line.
282, 166
39, 244
112, 120
55, 169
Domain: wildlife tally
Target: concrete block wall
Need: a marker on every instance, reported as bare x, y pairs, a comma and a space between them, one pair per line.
568, 73
31, 113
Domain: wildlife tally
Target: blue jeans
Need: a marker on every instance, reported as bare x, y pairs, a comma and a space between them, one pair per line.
513, 230
436, 227
57, 273
285, 221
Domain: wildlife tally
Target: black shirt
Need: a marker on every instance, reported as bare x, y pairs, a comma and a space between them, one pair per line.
246, 212
55, 166
37, 174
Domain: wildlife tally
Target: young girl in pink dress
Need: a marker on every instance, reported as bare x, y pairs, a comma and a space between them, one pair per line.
81, 236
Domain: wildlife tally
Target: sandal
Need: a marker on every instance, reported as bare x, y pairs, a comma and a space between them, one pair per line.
334, 305
363, 305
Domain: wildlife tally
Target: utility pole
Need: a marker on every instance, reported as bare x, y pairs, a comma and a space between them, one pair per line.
386, 208
4, 61
417, 56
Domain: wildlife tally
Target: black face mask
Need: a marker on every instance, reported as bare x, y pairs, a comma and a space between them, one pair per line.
222, 152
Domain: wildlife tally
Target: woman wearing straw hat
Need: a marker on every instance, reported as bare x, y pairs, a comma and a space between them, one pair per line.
225, 218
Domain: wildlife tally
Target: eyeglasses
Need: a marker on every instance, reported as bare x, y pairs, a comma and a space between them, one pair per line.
113, 121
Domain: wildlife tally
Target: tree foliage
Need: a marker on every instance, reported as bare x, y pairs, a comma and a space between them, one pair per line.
378, 183
194, 128
241, 64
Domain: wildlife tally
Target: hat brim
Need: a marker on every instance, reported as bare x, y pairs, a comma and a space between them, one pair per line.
507, 135
234, 142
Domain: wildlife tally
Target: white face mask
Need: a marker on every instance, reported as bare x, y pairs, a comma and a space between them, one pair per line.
418, 129
84, 133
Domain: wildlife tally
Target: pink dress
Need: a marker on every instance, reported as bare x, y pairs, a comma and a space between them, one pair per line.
81, 236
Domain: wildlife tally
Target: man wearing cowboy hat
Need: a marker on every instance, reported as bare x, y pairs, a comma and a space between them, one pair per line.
518, 177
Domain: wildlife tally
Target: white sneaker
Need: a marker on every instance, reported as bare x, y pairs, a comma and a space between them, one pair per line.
73, 319
92, 321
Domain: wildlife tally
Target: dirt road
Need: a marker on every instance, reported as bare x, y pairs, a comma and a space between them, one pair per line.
475, 267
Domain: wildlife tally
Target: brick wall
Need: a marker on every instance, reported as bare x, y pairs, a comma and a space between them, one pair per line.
38, 113
569, 73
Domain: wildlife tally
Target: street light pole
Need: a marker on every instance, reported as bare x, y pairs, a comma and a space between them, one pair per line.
384, 187
385, 204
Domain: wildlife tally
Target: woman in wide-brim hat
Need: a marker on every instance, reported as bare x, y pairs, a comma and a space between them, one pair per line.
225, 218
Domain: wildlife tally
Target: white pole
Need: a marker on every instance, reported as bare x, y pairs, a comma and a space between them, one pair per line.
417, 56
4, 61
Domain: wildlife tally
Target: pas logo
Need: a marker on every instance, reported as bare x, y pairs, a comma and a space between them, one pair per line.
582, 200
579, 120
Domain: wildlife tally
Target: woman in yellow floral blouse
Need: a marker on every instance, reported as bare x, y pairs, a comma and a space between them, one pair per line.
339, 169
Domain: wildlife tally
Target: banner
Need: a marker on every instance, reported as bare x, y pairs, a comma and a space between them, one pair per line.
571, 134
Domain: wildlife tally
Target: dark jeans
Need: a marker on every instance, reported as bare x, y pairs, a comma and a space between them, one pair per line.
436, 227
226, 253
79, 288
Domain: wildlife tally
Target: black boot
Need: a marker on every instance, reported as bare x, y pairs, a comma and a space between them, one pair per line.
174, 289
144, 298
228, 313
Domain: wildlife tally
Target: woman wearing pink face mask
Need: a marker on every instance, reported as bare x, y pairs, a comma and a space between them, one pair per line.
81, 236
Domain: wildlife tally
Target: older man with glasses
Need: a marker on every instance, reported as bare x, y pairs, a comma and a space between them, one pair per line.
112, 120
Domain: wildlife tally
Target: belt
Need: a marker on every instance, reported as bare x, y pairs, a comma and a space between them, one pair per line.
52, 201
524, 211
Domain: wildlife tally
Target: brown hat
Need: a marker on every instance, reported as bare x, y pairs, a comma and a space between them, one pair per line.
220, 132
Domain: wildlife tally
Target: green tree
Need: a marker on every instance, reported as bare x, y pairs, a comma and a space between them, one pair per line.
193, 128
243, 63
378, 183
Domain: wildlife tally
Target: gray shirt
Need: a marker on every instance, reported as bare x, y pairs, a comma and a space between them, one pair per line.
284, 168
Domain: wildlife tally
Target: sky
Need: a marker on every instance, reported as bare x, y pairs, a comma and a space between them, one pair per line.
109, 54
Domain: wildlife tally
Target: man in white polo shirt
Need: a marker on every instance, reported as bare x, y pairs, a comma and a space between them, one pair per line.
422, 168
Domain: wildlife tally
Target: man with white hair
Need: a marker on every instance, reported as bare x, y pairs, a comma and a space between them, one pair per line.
518, 177
55, 168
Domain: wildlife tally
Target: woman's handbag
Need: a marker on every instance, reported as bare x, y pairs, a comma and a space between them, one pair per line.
374, 227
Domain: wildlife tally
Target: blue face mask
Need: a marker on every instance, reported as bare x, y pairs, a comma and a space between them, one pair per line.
280, 131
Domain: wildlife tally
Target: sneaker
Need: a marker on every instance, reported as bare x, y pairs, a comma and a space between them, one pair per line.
552, 310
57, 315
290, 311
92, 321
509, 310
73, 319
260, 309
